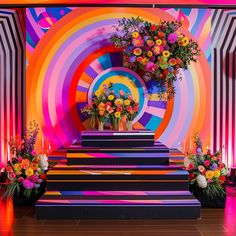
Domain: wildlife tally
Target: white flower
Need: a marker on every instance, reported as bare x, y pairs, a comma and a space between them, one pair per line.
201, 180
43, 162
187, 161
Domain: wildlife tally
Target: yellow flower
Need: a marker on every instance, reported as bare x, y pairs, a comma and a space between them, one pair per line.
145, 61
159, 42
117, 114
118, 102
137, 51
17, 167
127, 102
217, 173
149, 53
166, 53
34, 166
111, 97
29, 172
98, 93
185, 41
209, 174
135, 34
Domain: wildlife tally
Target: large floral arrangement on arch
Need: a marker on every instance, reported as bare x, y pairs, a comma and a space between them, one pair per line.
157, 50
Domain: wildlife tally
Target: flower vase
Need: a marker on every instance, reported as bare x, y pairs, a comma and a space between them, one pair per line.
100, 125
92, 122
206, 200
129, 125
122, 124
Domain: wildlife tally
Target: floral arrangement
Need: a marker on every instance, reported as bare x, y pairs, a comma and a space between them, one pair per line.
26, 169
159, 50
206, 171
106, 104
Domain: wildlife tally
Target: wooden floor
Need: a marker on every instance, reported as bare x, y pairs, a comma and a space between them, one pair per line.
20, 221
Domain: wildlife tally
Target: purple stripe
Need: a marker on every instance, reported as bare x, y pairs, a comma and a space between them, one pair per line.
159, 104
31, 32
116, 59
91, 72
145, 118
82, 89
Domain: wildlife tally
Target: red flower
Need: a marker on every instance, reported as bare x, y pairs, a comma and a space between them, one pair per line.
166, 72
119, 109
153, 28
136, 108
43, 176
191, 176
160, 34
222, 179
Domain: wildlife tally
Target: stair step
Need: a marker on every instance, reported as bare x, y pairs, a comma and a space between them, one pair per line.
117, 139
117, 179
118, 158
113, 167
118, 204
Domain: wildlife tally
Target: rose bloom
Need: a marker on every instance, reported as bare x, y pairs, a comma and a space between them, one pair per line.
207, 163
201, 168
119, 109
129, 108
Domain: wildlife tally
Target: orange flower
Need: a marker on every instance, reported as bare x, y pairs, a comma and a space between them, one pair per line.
34, 166
25, 164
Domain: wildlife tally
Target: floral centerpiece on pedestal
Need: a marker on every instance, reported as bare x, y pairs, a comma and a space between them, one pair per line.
106, 104
207, 175
157, 50
26, 169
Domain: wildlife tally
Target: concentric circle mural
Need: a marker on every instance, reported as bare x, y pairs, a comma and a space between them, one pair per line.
74, 57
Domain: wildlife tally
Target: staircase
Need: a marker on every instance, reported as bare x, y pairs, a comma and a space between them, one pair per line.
118, 175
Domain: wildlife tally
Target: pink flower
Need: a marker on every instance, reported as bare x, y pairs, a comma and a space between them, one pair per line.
122, 93
119, 109
20, 179
28, 184
12, 175
110, 110
20, 159
129, 108
108, 104
33, 153
34, 178
172, 38
207, 163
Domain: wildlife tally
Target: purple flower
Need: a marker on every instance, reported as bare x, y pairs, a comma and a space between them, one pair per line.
132, 59
37, 185
199, 151
167, 47
213, 167
172, 38
28, 184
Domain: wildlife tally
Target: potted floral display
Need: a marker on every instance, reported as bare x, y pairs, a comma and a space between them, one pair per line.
207, 176
118, 108
26, 169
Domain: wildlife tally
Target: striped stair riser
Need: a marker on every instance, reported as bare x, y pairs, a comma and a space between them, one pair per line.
117, 143
118, 161
118, 185
116, 167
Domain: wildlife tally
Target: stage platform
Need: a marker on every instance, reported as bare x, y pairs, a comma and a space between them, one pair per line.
118, 182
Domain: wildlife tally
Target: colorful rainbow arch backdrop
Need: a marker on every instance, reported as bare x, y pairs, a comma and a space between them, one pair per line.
66, 55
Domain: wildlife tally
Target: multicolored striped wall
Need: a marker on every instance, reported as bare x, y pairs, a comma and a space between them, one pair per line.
175, 2
12, 77
70, 55
223, 83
